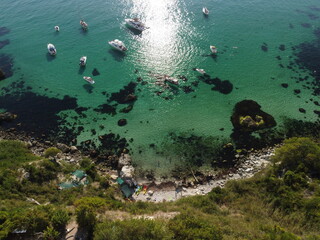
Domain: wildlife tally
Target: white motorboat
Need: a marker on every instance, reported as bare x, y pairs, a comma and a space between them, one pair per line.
213, 49
57, 28
135, 23
117, 44
83, 61
171, 80
205, 11
84, 25
89, 79
52, 49
200, 70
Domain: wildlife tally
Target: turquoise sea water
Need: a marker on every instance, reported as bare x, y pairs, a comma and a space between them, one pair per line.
177, 41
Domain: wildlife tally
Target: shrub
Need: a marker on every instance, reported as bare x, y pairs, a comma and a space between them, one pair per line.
298, 153
86, 210
134, 229
51, 152
50, 234
13, 153
89, 167
312, 207
287, 199
295, 180
45, 171
187, 227
59, 219
278, 233
218, 195
203, 203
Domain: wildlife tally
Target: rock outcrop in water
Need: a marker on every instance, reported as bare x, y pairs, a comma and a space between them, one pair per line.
2, 75
7, 117
248, 117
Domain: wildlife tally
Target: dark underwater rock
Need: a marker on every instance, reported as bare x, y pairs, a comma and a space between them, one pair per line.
2, 75
302, 110
112, 144
127, 109
4, 43
222, 86
95, 72
106, 108
264, 47
297, 91
187, 89
39, 115
306, 25
6, 64
285, 85
248, 117
125, 95
4, 30
282, 47
7, 117
122, 122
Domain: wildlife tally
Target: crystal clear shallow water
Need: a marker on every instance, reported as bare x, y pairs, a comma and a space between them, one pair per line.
177, 41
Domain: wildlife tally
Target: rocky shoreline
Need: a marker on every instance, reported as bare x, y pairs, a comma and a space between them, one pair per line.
246, 167
157, 190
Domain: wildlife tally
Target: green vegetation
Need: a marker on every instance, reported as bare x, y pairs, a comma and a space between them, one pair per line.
13, 154
134, 229
280, 203
51, 152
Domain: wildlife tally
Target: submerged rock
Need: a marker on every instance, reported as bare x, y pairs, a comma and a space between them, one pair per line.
7, 117
282, 47
302, 110
2, 75
127, 109
122, 122
95, 72
248, 117
264, 48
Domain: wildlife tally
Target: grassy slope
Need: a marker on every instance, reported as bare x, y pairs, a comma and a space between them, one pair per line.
275, 204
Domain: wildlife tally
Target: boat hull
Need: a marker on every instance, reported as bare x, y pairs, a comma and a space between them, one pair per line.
135, 25
51, 49
83, 61
89, 80
117, 47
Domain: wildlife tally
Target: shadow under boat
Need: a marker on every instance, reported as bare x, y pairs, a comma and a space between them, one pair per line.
117, 55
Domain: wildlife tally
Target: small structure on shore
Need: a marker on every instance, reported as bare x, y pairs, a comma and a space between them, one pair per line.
127, 186
78, 178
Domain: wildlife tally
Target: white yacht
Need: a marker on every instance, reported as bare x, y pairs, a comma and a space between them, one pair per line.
57, 28
171, 80
213, 49
200, 70
117, 44
89, 80
84, 25
205, 11
51, 49
135, 23
83, 61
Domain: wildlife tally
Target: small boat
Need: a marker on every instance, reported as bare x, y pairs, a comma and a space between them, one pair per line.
52, 49
119, 45
200, 70
83, 61
171, 80
136, 24
205, 11
213, 49
84, 25
57, 28
89, 79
